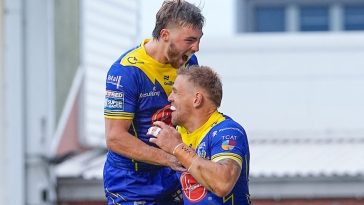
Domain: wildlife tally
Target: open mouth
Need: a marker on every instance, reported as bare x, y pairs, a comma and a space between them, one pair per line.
173, 108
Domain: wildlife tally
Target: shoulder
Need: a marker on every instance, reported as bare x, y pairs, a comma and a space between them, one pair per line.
124, 64
229, 141
123, 77
134, 57
228, 126
228, 131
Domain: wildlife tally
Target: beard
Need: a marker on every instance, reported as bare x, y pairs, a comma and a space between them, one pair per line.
174, 122
174, 119
175, 57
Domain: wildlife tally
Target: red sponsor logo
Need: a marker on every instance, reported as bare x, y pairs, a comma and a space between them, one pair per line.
193, 191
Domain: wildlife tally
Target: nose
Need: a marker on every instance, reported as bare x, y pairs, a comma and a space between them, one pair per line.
170, 97
196, 46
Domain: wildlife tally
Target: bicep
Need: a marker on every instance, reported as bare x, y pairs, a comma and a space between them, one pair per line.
121, 93
231, 166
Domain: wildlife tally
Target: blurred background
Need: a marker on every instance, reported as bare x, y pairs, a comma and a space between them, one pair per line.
293, 75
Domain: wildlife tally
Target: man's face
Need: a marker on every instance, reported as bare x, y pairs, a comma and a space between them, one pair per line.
183, 42
181, 99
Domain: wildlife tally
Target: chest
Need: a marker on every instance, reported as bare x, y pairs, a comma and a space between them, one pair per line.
150, 96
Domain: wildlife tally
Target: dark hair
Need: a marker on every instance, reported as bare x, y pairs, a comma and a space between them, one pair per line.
205, 78
177, 12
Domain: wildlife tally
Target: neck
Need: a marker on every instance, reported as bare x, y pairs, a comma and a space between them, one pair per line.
198, 119
156, 50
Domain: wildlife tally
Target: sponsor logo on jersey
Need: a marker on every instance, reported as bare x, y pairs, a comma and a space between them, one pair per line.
192, 190
151, 93
167, 81
201, 150
114, 80
114, 100
134, 60
114, 104
228, 144
114, 94
229, 137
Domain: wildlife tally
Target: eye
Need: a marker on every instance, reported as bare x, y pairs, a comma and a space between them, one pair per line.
190, 40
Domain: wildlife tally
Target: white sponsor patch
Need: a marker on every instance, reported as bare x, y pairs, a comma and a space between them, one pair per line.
114, 100
114, 104
114, 94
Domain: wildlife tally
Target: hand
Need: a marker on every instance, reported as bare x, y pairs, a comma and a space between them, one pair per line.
166, 137
175, 164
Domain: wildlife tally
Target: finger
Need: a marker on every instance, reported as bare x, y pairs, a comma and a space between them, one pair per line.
153, 140
154, 131
160, 124
180, 168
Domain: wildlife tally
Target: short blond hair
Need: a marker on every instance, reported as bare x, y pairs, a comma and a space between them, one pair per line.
206, 78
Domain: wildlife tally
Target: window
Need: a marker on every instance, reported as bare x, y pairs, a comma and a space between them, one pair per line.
269, 19
354, 17
314, 18
299, 15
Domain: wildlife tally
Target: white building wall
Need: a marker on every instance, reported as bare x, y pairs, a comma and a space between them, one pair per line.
108, 29
28, 112
287, 82
220, 17
291, 83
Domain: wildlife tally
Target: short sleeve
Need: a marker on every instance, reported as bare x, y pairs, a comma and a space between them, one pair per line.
121, 92
229, 142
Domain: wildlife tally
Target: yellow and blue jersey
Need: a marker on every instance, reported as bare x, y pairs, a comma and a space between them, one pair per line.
137, 86
219, 138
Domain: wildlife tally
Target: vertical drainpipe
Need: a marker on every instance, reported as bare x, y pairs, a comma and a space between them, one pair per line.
50, 129
2, 117
38, 99
14, 101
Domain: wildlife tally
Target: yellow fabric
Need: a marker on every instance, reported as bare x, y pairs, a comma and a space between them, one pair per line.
163, 73
119, 115
193, 139
232, 156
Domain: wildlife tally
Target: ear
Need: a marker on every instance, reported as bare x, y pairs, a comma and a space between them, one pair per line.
164, 34
198, 99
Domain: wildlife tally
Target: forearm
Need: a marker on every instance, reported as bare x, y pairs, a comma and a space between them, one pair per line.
133, 148
217, 177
